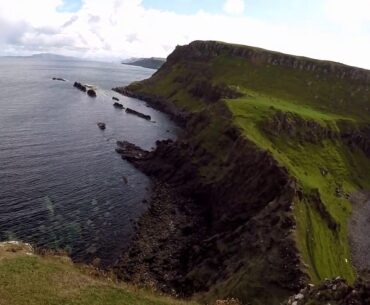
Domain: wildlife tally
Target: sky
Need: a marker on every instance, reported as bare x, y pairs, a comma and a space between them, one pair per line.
337, 30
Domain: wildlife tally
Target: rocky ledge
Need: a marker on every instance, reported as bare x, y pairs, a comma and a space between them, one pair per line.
334, 292
179, 254
158, 103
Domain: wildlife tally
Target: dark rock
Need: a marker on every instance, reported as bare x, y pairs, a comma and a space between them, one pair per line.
156, 102
336, 291
59, 79
139, 114
91, 93
118, 105
130, 151
115, 98
80, 86
101, 125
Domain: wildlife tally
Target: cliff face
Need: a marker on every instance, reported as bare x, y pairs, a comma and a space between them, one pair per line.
273, 147
205, 50
241, 222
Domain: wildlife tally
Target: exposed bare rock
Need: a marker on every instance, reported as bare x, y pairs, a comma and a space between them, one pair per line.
80, 86
139, 114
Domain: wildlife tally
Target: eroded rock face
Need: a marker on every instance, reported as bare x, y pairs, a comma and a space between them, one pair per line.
359, 139
233, 222
334, 292
294, 126
213, 93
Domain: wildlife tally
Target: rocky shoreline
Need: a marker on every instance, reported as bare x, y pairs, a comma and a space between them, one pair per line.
158, 103
207, 234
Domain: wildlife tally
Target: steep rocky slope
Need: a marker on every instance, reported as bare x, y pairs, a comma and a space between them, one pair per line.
274, 147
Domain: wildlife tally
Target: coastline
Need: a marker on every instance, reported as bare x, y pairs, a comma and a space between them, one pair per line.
225, 237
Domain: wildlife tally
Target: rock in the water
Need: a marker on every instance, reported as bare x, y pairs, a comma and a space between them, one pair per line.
115, 98
101, 125
58, 78
80, 86
118, 105
130, 151
91, 93
139, 114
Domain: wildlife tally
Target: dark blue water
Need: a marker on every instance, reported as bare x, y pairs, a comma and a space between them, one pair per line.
61, 182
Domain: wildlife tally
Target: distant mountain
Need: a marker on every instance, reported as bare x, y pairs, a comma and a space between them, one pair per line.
51, 56
44, 56
150, 63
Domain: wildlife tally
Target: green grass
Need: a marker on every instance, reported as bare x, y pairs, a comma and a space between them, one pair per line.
325, 251
35, 280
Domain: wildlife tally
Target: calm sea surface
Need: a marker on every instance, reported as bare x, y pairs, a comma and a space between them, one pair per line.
61, 182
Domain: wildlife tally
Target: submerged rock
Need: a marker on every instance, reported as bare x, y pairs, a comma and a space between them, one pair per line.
139, 114
59, 79
101, 125
115, 98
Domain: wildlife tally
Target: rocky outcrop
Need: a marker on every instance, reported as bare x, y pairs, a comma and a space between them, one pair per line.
158, 103
294, 126
334, 292
80, 86
131, 152
91, 93
213, 93
118, 105
227, 225
358, 138
139, 114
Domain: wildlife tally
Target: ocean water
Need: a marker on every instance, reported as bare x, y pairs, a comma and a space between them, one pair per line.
61, 182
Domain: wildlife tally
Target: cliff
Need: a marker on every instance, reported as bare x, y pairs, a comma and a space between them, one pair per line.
274, 147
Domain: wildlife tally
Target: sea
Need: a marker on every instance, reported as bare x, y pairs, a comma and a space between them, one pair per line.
62, 185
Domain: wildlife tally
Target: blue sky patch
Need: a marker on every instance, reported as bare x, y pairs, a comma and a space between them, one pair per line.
185, 6
70, 6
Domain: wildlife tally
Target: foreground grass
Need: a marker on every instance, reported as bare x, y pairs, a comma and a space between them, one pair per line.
27, 279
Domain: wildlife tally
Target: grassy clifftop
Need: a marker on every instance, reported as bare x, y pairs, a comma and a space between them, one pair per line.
26, 278
311, 116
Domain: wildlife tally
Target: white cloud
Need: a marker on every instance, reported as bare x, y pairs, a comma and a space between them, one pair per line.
124, 28
234, 7
349, 13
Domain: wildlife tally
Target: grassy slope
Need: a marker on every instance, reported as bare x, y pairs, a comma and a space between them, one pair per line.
321, 98
34, 280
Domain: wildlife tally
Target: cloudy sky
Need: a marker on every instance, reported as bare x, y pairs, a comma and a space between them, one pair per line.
110, 29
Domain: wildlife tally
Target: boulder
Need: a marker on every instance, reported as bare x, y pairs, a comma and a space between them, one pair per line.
91, 93
115, 98
80, 86
101, 125
118, 105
